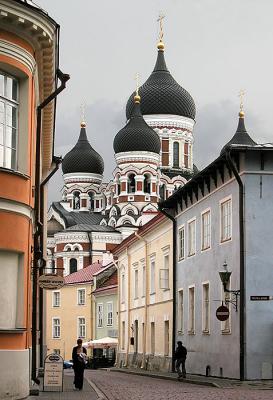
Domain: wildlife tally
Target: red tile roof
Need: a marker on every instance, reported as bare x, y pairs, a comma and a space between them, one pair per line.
83, 275
112, 280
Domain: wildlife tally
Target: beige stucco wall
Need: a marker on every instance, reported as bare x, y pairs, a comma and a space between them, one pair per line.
158, 305
68, 312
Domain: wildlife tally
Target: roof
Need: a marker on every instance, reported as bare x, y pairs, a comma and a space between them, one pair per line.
72, 218
35, 7
161, 94
137, 135
159, 218
90, 228
111, 282
241, 135
83, 158
83, 275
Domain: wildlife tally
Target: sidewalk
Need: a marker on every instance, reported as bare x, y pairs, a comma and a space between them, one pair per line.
200, 380
68, 393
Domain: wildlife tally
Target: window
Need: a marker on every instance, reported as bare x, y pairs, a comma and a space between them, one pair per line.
73, 265
176, 154
180, 311
205, 230
165, 274
123, 335
226, 220
110, 314
143, 280
56, 299
147, 184
206, 307
162, 192
191, 324
81, 327
123, 288
9, 97
81, 297
12, 290
186, 155
76, 201
91, 201
131, 183
136, 283
191, 238
152, 338
56, 328
152, 277
181, 243
100, 315
166, 338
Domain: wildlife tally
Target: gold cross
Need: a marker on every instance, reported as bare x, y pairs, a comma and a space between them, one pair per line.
137, 82
160, 20
241, 95
83, 111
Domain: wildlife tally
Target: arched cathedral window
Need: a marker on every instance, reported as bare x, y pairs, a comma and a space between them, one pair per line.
176, 154
162, 192
118, 185
73, 265
76, 201
91, 201
131, 183
147, 184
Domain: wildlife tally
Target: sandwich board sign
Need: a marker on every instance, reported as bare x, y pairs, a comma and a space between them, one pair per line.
53, 373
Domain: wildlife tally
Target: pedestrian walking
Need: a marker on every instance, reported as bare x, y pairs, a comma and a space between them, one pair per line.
79, 360
180, 357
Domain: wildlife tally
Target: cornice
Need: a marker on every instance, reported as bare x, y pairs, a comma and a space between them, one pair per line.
18, 53
16, 208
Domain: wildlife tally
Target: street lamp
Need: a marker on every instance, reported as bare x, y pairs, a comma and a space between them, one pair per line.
225, 277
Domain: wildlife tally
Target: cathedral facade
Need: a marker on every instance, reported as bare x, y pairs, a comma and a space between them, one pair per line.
153, 154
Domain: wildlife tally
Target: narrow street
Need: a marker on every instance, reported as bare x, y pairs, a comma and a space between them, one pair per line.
119, 386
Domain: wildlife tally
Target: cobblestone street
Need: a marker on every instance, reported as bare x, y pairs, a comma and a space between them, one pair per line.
117, 386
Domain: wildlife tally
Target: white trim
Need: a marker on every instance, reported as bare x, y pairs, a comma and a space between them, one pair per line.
221, 202
17, 208
102, 316
53, 292
191, 332
55, 337
207, 210
190, 221
78, 303
17, 53
206, 283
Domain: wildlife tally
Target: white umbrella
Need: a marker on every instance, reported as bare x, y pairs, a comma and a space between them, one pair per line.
102, 343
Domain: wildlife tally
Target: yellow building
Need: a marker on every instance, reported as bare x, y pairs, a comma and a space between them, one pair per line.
145, 296
69, 312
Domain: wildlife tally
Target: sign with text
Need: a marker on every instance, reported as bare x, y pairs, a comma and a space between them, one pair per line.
51, 281
222, 313
261, 298
53, 373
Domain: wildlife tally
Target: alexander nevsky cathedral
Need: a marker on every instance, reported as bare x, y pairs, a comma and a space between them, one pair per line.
153, 154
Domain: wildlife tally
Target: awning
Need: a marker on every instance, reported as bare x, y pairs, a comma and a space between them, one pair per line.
102, 343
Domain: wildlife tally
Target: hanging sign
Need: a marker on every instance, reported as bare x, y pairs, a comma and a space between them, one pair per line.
53, 373
261, 298
51, 281
222, 313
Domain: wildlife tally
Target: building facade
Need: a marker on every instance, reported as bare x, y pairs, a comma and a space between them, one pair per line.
224, 219
145, 297
28, 63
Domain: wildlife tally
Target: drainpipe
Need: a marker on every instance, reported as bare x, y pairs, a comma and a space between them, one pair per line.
38, 256
174, 283
128, 306
242, 263
57, 161
89, 234
143, 364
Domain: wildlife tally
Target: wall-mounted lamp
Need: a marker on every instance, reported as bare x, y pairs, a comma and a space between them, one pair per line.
225, 277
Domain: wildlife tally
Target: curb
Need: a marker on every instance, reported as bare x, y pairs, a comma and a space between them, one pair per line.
100, 394
170, 378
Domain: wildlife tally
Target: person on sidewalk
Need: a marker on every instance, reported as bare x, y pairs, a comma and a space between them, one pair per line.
180, 357
79, 360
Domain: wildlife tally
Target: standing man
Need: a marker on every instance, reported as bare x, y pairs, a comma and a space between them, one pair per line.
180, 357
79, 361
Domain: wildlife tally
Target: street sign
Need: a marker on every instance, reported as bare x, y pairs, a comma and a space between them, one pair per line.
222, 313
261, 298
53, 373
51, 281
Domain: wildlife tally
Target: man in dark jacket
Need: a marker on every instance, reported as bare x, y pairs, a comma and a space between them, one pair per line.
180, 357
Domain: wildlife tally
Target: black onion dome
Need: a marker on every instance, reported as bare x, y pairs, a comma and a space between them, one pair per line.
137, 135
241, 135
83, 158
161, 94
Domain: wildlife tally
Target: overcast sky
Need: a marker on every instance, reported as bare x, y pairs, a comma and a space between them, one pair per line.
213, 48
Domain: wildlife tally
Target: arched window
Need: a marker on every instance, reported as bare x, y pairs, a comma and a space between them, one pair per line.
131, 183
91, 201
118, 185
72, 265
76, 201
176, 154
162, 192
53, 267
147, 183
